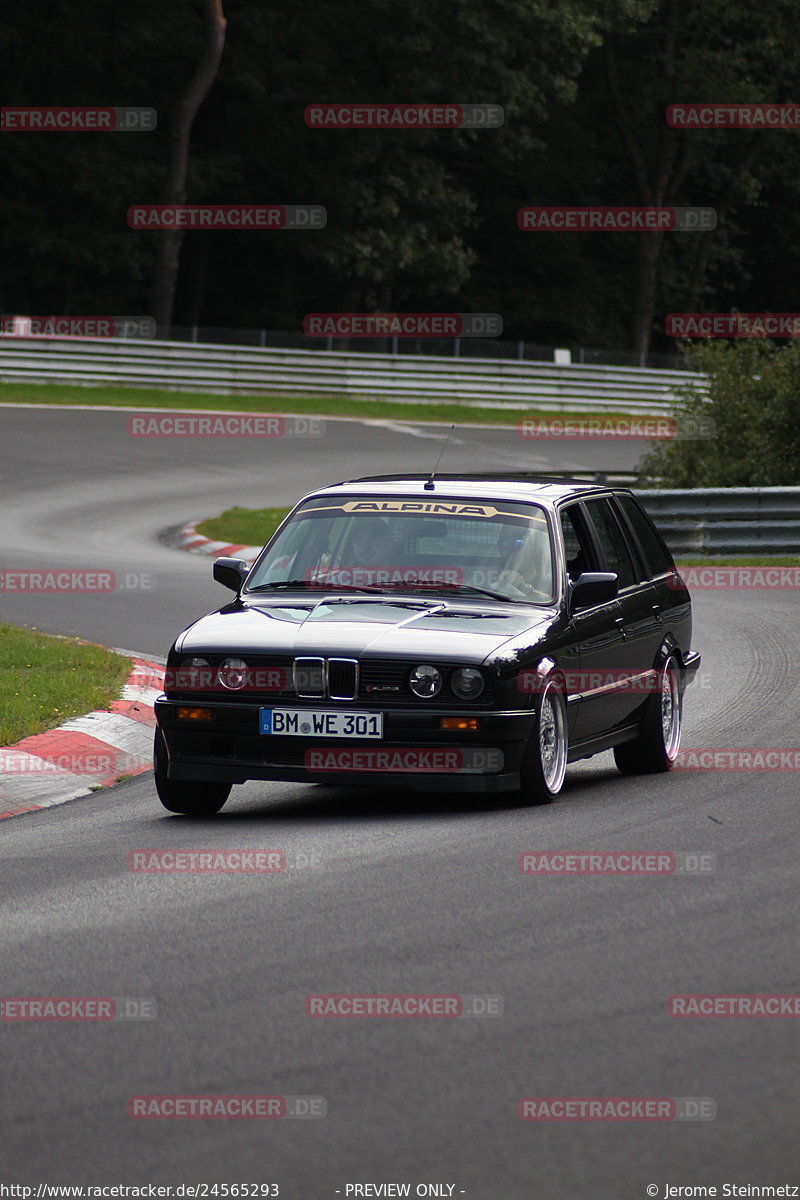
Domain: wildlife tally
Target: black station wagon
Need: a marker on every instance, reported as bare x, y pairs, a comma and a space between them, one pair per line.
462, 633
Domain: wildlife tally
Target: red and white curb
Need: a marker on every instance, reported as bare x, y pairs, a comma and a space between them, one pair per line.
187, 538
85, 753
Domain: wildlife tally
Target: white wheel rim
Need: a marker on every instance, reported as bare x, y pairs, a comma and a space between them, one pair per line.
670, 709
552, 740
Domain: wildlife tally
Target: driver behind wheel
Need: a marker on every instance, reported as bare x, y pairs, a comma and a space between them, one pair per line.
527, 567
365, 548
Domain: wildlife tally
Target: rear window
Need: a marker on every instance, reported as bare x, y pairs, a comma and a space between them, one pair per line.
656, 556
613, 545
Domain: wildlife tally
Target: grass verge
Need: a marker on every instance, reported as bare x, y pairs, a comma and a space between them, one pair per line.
46, 680
324, 406
247, 526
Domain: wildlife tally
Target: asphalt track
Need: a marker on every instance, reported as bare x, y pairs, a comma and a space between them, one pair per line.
408, 895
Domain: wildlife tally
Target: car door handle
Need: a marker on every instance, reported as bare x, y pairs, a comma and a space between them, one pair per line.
620, 624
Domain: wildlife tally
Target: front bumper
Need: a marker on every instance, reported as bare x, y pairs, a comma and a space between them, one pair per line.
413, 753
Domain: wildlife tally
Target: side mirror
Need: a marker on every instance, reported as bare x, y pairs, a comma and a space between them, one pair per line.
231, 572
593, 587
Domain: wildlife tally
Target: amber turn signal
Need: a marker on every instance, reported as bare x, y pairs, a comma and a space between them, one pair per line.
194, 714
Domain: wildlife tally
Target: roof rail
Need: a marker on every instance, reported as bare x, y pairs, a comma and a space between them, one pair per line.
597, 477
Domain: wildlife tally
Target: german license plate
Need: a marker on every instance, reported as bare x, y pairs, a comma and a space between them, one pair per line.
320, 722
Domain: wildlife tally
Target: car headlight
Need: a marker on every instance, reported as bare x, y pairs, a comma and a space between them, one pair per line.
192, 675
467, 683
425, 681
232, 673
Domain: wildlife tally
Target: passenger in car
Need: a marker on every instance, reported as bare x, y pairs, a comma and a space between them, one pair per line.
368, 545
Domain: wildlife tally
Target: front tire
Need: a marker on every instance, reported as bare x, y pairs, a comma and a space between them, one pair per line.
656, 747
183, 796
545, 762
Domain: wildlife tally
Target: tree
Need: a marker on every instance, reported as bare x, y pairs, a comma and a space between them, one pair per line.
403, 208
750, 412
416, 220
165, 279
709, 51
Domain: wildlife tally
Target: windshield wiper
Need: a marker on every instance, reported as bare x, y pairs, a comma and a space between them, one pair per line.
386, 589
306, 585
455, 587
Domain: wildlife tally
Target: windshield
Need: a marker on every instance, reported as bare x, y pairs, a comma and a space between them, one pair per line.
395, 544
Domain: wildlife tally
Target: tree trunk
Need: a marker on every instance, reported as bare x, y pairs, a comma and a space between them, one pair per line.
165, 278
658, 175
644, 306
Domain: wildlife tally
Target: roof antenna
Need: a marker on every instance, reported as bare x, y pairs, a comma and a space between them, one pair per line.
429, 485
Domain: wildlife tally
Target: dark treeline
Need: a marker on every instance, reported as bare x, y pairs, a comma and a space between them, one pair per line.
417, 220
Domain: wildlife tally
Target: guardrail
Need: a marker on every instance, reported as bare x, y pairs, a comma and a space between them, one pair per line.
716, 522
472, 382
727, 521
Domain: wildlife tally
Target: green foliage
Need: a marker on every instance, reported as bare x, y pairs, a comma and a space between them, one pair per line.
45, 681
417, 220
243, 526
752, 402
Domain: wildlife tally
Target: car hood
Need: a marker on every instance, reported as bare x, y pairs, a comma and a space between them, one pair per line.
358, 626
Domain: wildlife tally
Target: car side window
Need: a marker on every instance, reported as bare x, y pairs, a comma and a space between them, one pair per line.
614, 547
657, 557
577, 546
